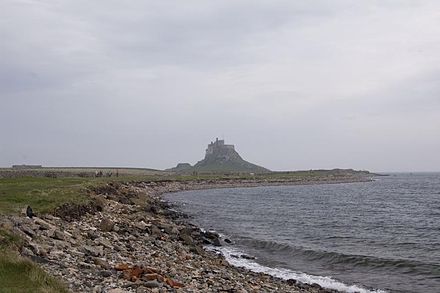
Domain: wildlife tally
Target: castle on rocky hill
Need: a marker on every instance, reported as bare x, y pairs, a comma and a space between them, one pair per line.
218, 144
220, 158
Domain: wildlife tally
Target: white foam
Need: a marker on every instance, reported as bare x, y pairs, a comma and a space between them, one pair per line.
325, 282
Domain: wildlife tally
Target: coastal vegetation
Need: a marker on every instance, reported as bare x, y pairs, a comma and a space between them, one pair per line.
44, 193
19, 274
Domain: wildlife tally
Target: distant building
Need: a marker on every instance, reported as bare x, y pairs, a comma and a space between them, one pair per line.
218, 144
21, 167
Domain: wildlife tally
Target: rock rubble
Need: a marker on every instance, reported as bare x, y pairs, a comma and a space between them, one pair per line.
129, 240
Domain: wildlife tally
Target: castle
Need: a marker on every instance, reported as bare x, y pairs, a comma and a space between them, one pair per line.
220, 158
217, 145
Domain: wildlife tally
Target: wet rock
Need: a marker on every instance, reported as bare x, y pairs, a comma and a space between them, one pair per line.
315, 285
216, 242
211, 237
247, 256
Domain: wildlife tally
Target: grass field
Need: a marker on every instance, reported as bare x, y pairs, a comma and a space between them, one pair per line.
42, 194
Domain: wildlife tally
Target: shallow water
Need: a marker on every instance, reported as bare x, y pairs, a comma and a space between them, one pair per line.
378, 235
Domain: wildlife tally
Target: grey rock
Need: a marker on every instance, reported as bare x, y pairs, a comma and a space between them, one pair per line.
152, 284
58, 235
26, 251
97, 289
104, 242
141, 225
37, 249
94, 250
43, 224
105, 274
92, 235
28, 231
187, 239
102, 263
117, 290
216, 242
155, 231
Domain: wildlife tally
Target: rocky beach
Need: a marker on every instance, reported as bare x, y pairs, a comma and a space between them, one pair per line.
129, 240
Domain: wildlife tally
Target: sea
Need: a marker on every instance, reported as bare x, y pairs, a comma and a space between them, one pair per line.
379, 236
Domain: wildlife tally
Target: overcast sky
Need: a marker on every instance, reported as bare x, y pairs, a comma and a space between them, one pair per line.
293, 84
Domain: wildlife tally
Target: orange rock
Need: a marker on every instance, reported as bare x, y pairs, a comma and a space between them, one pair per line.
151, 277
136, 272
122, 267
174, 284
150, 270
160, 278
127, 275
133, 274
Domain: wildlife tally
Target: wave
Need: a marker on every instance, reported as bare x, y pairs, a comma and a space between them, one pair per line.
286, 274
353, 260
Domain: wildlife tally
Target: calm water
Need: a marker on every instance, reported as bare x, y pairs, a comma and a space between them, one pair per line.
378, 235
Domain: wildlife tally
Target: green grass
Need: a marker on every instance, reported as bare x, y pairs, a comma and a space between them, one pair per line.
18, 274
42, 194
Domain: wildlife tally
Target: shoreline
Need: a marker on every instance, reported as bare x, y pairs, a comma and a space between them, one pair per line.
129, 240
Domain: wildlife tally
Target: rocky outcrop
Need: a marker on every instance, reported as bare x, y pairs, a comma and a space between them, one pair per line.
181, 167
220, 158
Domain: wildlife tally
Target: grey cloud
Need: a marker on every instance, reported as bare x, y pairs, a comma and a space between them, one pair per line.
295, 85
